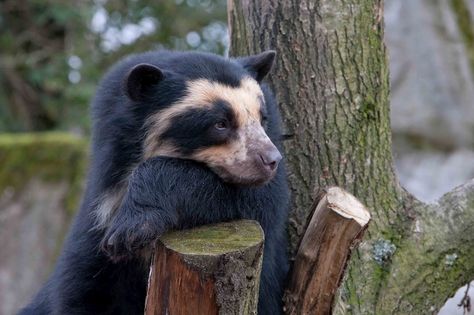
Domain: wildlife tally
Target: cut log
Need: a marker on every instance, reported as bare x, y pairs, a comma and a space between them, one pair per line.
336, 226
208, 270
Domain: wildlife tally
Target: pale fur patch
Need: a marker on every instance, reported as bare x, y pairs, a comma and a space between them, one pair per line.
108, 203
250, 137
244, 100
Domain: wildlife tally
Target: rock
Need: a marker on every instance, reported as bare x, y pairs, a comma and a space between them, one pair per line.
432, 95
430, 174
432, 86
40, 185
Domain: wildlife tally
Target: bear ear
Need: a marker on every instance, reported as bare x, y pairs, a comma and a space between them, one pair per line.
259, 65
140, 79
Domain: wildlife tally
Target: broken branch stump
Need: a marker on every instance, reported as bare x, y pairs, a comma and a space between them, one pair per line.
336, 226
208, 270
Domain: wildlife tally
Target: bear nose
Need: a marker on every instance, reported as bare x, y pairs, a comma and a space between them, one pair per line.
270, 158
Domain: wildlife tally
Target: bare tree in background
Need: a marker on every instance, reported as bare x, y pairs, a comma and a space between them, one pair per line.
331, 80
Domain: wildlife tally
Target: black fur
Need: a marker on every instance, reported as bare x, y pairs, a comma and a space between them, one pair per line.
194, 129
89, 280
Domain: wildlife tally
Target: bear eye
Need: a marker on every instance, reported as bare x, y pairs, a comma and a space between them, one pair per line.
221, 125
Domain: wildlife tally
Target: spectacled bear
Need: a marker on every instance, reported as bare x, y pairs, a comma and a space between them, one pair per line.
179, 139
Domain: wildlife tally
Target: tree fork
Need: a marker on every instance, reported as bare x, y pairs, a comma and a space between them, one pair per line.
331, 81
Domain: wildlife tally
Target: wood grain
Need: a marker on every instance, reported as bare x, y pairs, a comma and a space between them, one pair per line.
208, 270
337, 225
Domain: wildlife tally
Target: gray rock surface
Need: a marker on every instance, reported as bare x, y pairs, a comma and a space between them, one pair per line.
33, 223
41, 178
432, 87
430, 174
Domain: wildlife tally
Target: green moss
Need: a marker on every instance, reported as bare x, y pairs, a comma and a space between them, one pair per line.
49, 157
434, 261
215, 239
368, 109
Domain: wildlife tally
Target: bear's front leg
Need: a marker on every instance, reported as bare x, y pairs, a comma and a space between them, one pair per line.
163, 194
146, 212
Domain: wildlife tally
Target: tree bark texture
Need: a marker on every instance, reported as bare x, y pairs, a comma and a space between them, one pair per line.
336, 227
332, 83
207, 270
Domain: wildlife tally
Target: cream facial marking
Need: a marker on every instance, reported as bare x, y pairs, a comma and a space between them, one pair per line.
245, 101
251, 138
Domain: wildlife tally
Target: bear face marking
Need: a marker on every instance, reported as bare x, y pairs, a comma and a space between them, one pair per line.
239, 151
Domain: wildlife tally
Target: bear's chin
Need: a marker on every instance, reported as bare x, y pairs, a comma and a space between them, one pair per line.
250, 181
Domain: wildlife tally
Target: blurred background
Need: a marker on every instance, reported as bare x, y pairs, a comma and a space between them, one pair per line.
53, 53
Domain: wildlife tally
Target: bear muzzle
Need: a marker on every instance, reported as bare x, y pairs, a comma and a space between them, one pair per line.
270, 159
259, 166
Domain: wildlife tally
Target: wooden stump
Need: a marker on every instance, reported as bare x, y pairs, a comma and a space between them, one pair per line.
207, 270
337, 225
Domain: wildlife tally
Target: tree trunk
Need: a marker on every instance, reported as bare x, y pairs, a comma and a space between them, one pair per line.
208, 270
331, 80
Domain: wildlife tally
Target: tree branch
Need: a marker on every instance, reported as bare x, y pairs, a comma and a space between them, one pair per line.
436, 258
337, 225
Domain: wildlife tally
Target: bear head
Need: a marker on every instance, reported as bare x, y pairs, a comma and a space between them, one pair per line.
208, 109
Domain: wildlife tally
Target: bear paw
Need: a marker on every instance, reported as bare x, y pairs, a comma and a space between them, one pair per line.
125, 239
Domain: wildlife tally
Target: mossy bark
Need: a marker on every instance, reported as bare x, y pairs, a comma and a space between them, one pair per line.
212, 269
332, 82
436, 257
